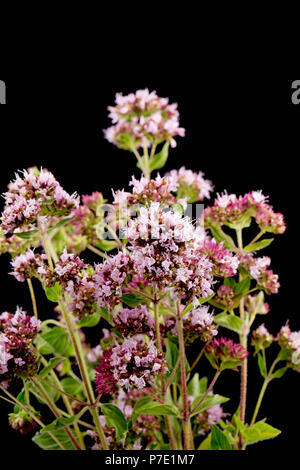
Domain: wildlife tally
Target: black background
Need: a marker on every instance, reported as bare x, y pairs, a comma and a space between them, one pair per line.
242, 131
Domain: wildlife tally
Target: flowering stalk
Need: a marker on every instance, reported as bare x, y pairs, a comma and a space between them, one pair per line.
243, 341
208, 391
79, 356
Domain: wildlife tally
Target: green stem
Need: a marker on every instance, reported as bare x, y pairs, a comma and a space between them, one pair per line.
33, 299
163, 386
188, 440
260, 234
76, 343
267, 380
54, 410
66, 402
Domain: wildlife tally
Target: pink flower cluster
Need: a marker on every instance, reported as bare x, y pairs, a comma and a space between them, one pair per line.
289, 341
229, 209
197, 323
130, 364
162, 246
223, 353
29, 265
134, 321
190, 185
67, 271
261, 338
36, 194
143, 118
257, 268
225, 296
17, 357
224, 263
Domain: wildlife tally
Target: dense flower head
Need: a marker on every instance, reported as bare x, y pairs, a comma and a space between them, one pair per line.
145, 191
143, 118
28, 264
67, 270
190, 185
130, 364
35, 194
17, 356
270, 221
289, 341
225, 296
110, 277
231, 209
257, 268
83, 298
198, 323
223, 353
133, 321
224, 263
162, 249
261, 338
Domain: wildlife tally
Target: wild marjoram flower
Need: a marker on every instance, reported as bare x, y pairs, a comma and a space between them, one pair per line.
161, 284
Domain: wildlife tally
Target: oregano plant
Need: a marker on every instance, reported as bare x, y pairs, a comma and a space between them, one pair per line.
163, 285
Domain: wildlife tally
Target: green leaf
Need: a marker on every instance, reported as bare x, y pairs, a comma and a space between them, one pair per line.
171, 358
231, 282
22, 399
279, 373
243, 286
71, 386
52, 363
61, 223
259, 432
147, 406
46, 442
58, 339
259, 245
133, 300
54, 293
159, 160
26, 235
63, 421
197, 386
219, 237
106, 245
206, 299
231, 322
206, 443
51, 391
219, 440
261, 365
108, 316
208, 402
115, 418
91, 320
